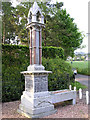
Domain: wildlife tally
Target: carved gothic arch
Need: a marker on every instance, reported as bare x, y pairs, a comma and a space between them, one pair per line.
38, 16
30, 16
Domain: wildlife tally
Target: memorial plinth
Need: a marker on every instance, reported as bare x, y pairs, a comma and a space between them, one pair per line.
36, 101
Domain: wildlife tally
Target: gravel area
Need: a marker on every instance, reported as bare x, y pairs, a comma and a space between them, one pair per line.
64, 110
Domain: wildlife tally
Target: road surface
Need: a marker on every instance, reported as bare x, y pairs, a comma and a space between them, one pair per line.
83, 79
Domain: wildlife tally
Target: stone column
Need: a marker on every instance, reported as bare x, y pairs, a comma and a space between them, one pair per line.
35, 48
35, 45
40, 47
30, 46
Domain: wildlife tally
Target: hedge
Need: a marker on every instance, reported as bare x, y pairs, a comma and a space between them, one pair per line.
16, 59
52, 52
47, 52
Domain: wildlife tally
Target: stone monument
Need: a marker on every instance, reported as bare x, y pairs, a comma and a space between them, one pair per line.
36, 100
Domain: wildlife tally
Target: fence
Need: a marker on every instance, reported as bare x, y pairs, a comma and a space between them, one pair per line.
81, 94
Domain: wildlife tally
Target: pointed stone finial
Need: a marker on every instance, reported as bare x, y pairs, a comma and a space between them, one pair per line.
35, 14
35, 7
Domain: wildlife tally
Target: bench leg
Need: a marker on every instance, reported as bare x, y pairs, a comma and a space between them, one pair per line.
74, 101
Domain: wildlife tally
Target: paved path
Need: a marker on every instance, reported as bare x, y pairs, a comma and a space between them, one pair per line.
83, 79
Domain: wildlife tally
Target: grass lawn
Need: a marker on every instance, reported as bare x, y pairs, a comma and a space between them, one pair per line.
78, 85
83, 67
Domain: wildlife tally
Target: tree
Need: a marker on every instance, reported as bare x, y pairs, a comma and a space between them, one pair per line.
47, 9
60, 29
7, 18
22, 13
13, 22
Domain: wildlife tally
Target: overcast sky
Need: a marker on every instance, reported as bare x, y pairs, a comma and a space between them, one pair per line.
78, 9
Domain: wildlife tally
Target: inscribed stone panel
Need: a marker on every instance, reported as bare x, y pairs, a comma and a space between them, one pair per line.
41, 86
40, 78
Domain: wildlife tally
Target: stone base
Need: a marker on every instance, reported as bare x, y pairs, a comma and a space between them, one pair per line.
35, 67
36, 106
40, 115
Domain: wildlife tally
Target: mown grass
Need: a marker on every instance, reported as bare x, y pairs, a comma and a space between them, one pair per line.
78, 85
83, 67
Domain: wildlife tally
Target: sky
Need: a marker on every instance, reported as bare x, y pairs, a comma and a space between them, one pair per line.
78, 9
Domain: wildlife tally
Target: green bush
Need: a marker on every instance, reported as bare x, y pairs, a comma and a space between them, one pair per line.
62, 75
16, 59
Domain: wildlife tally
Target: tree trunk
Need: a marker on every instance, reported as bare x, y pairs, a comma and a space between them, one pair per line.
3, 33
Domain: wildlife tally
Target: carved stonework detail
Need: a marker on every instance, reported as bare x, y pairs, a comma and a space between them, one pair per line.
38, 83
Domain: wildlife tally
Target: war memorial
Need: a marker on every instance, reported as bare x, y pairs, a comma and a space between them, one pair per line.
37, 101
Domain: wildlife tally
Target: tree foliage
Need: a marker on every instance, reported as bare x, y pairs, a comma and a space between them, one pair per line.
60, 29
7, 22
